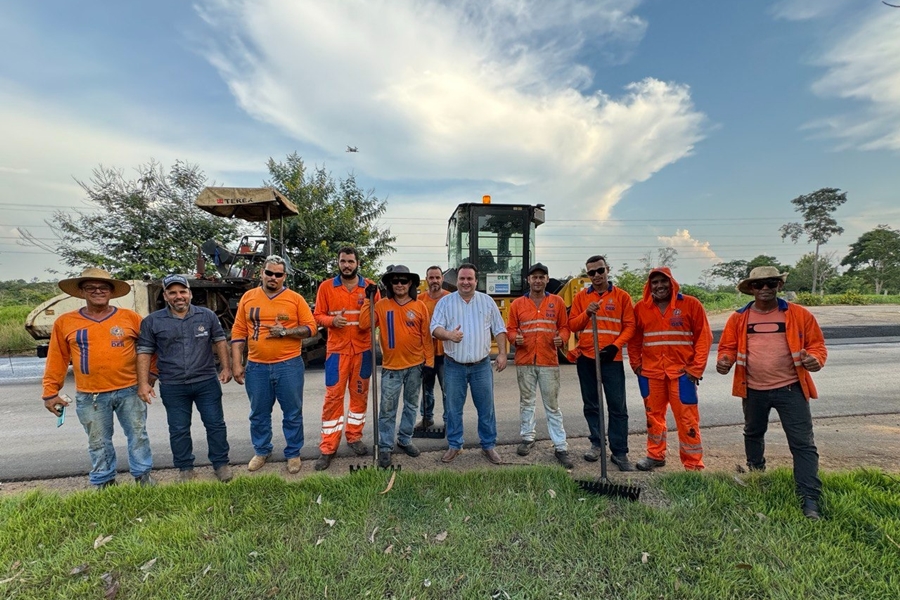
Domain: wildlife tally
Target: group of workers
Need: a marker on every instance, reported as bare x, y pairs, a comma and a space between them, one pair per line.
439, 338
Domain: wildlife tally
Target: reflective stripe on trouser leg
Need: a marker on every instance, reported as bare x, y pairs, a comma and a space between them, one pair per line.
337, 374
360, 367
687, 418
655, 405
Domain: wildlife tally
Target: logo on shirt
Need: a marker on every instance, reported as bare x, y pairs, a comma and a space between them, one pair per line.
676, 322
201, 331
117, 332
411, 315
610, 306
676, 312
282, 317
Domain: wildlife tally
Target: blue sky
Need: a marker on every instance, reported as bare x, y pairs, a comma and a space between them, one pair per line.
639, 124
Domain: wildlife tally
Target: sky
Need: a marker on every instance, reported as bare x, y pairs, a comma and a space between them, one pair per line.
638, 124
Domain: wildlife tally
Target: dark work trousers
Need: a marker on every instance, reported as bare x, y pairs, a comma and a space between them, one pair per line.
796, 420
179, 400
612, 375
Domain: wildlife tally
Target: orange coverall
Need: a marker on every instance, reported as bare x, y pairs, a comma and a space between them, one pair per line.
667, 347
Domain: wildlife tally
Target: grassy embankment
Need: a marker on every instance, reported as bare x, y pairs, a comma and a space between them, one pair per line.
13, 337
510, 533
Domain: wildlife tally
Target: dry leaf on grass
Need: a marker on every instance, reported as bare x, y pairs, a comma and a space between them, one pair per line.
645, 557
254, 554
390, 483
100, 541
79, 569
319, 499
319, 541
744, 566
372, 537
206, 570
466, 520
8, 579
552, 493
441, 536
330, 522
739, 481
112, 586
148, 565
427, 583
272, 592
389, 549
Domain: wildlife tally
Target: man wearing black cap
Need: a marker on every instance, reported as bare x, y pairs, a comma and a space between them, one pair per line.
184, 337
538, 327
406, 348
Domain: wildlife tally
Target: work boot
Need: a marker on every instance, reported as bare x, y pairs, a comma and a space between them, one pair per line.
492, 455
593, 455
384, 459
621, 461
648, 464
324, 462
106, 484
223, 473
410, 449
525, 447
294, 464
257, 462
358, 447
811, 509
186, 475
424, 424
563, 457
145, 480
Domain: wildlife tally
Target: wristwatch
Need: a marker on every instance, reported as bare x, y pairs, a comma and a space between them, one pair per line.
282, 333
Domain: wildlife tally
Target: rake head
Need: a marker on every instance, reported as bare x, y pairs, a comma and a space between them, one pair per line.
434, 433
357, 468
604, 487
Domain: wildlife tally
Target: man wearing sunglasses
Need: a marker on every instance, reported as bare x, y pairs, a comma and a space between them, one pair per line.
668, 353
272, 321
615, 326
348, 359
774, 346
406, 347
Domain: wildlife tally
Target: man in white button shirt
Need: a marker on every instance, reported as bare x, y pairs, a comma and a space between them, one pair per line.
465, 321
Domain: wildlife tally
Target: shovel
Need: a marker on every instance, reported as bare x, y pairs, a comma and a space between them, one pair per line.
373, 385
603, 486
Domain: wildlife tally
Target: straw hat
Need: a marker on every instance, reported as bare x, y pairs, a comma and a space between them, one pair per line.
760, 273
73, 286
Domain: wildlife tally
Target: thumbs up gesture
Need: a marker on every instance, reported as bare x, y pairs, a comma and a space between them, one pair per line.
809, 362
456, 335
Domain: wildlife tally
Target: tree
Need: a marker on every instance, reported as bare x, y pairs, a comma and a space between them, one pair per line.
764, 260
818, 224
137, 227
811, 273
732, 271
332, 214
876, 257
665, 257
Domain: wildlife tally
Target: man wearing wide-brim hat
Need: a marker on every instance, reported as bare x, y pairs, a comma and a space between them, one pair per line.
774, 345
406, 348
99, 341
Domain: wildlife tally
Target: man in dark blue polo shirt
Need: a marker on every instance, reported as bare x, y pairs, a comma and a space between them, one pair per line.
184, 337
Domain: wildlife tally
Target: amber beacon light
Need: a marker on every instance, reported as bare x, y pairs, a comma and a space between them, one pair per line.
485, 199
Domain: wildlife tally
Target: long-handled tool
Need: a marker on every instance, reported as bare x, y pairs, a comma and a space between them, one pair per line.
603, 486
373, 384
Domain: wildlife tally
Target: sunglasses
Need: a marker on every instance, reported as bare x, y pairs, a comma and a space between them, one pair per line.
772, 284
90, 289
400, 281
597, 271
273, 274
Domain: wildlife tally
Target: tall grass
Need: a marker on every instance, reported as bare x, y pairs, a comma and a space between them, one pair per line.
13, 337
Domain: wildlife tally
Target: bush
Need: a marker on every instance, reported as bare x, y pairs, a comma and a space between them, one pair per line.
809, 299
851, 297
13, 337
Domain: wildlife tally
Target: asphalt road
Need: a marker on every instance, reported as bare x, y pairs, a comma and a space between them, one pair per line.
860, 378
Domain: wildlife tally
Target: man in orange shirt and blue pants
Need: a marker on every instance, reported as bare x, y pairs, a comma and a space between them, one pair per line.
668, 353
272, 321
406, 348
348, 360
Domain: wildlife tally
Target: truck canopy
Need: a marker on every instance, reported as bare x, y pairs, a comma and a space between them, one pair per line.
248, 204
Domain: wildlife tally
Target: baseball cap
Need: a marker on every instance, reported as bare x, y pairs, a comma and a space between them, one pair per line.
538, 267
171, 279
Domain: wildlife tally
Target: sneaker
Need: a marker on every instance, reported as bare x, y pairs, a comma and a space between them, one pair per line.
294, 464
324, 462
358, 447
525, 447
424, 424
410, 449
257, 462
593, 455
621, 461
811, 509
186, 475
223, 473
106, 484
384, 459
145, 480
648, 464
563, 457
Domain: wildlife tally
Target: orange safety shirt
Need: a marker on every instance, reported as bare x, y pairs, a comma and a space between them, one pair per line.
102, 353
257, 312
335, 299
615, 319
538, 326
403, 331
665, 345
430, 304
802, 332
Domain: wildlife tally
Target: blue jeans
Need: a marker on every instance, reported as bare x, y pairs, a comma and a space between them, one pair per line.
95, 412
410, 380
458, 378
796, 420
429, 375
179, 400
266, 383
530, 378
612, 375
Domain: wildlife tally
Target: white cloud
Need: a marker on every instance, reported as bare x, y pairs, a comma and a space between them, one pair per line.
684, 243
803, 10
490, 92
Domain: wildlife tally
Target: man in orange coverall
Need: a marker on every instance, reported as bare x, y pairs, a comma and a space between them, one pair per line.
538, 326
348, 359
775, 345
668, 353
407, 348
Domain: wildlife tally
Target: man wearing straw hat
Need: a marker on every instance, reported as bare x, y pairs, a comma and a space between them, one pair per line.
774, 346
99, 341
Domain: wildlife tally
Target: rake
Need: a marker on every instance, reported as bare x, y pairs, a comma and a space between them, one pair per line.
603, 486
373, 384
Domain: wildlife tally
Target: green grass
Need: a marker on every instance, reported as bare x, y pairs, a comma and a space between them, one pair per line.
13, 337
507, 536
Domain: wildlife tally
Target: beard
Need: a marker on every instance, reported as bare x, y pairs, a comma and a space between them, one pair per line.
351, 275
